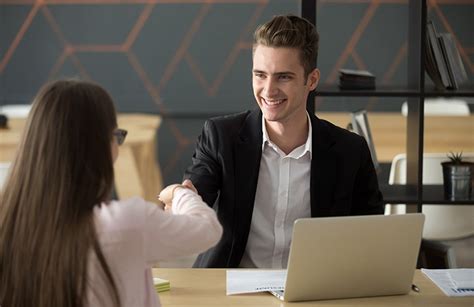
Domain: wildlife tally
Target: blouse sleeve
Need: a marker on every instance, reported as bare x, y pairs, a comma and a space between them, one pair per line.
190, 227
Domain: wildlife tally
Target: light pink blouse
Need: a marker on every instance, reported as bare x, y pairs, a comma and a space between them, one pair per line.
135, 234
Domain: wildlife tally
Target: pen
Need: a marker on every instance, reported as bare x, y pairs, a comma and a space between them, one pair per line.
415, 288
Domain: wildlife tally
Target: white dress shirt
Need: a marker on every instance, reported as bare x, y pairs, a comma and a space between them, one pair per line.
135, 234
282, 196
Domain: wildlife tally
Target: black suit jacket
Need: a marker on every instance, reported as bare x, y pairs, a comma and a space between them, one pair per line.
225, 170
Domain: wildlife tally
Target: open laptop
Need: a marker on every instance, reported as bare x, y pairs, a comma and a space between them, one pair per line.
354, 256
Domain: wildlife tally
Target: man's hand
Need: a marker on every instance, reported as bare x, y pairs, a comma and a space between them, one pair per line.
188, 184
167, 194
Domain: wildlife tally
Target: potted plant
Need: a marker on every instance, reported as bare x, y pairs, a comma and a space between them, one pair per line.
457, 177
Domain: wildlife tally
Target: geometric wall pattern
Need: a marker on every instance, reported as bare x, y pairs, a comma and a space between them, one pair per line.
189, 59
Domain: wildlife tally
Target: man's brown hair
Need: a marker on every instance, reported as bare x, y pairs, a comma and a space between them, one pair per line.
291, 32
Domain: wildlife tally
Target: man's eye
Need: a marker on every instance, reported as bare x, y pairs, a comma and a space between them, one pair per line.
285, 77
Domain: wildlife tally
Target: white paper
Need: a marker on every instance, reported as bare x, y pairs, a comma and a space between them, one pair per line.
462, 278
251, 281
449, 280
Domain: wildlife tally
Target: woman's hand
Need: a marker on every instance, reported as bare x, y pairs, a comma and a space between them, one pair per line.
167, 194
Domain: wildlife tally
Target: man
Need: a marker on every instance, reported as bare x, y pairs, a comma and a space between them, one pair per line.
263, 169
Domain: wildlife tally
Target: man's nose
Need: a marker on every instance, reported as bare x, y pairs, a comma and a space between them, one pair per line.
271, 88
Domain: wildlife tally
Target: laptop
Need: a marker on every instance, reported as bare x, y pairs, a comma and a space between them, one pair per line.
353, 256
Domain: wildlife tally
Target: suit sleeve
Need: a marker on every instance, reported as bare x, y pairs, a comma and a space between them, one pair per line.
367, 196
205, 171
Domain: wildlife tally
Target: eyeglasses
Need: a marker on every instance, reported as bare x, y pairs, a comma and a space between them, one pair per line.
120, 134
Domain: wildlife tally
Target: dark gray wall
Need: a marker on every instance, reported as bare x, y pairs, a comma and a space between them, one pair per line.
188, 61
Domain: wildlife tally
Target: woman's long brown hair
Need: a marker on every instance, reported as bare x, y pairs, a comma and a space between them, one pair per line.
63, 169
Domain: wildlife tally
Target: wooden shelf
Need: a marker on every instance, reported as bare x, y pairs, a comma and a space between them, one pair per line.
407, 194
335, 91
463, 91
415, 92
394, 91
434, 194
399, 194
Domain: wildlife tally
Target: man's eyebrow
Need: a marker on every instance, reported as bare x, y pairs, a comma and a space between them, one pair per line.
284, 73
274, 74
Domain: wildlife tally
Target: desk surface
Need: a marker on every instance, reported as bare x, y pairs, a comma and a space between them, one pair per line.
207, 287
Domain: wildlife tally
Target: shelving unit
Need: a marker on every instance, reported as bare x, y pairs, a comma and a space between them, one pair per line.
414, 192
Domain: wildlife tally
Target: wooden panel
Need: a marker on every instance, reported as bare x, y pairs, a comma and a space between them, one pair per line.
137, 172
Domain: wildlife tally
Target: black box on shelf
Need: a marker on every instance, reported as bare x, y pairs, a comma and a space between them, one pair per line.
356, 79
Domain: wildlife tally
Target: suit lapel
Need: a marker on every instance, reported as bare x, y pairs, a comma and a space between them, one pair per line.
323, 175
247, 153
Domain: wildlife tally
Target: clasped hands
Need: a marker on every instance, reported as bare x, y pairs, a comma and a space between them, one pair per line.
167, 194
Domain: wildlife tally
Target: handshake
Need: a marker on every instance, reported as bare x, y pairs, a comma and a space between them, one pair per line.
167, 194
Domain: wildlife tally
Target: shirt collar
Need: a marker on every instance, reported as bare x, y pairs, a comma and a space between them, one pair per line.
308, 146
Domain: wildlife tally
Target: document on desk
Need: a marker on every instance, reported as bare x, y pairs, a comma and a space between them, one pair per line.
453, 282
251, 281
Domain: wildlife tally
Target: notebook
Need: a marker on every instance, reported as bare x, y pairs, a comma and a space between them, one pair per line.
356, 256
161, 285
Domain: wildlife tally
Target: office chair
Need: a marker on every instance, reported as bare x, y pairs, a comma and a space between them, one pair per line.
443, 223
4, 167
442, 107
435, 255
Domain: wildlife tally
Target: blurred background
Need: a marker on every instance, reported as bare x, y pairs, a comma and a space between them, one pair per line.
190, 60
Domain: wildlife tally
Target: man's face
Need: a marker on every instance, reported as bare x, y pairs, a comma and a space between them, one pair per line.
279, 83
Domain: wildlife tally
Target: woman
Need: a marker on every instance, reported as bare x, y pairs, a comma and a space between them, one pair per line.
61, 242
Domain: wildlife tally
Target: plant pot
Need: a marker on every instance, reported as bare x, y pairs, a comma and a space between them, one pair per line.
457, 180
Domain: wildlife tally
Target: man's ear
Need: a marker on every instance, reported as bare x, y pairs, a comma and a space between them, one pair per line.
313, 79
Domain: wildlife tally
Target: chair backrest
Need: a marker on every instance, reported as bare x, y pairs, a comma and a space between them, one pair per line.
15, 110
360, 125
4, 167
442, 107
442, 221
435, 254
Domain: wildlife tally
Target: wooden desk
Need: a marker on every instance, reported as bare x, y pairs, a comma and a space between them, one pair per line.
389, 132
136, 171
207, 287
